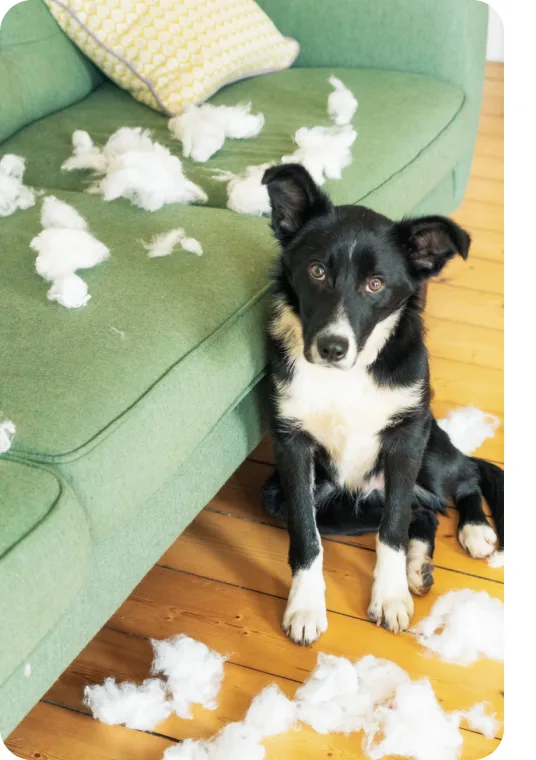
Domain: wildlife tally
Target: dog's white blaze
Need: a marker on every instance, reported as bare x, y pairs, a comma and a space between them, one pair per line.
305, 613
340, 327
345, 411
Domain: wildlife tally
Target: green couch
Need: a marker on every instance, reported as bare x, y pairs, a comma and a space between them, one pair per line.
132, 412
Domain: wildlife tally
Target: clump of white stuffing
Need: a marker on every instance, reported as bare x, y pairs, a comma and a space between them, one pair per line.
86, 155
136, 168
341, 696
270, 713
245, 192
414, 726
193, 671
341, 103
127, 704
478, 719
468, 427
323, 151
13, 193
464, 626
203, 129
496, 559
63, 247
7, 433
163, 244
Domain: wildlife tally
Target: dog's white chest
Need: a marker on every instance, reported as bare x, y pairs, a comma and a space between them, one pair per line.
345, 411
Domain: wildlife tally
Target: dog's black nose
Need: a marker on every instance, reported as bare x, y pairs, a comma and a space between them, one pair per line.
332, 348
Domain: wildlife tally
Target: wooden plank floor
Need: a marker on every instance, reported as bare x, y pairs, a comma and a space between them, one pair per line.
225, 580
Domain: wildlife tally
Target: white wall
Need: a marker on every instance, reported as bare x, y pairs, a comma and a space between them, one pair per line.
495, 37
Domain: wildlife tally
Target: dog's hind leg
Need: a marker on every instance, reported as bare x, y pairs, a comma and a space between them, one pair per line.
419, 565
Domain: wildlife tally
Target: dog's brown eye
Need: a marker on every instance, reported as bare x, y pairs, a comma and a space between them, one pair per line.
317, 271
375, 285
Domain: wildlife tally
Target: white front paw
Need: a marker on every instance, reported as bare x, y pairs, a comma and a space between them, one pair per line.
303, 626
391, 612
478, 539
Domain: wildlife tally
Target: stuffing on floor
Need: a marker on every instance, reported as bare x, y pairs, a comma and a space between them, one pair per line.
479, 720
245, 192
324, 151
468, 427
203, 129
165, 243
464, 626
127, 704
134, 167
14, 194
193, 672
7, 433
270, 713
341, 103
64, 246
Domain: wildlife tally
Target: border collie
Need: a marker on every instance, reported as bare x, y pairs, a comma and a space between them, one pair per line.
356, 446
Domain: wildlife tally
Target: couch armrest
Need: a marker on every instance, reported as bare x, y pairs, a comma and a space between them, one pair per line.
442, 38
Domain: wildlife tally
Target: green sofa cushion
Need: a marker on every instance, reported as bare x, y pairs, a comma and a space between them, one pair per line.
40, 68
117, 394
411, 130
43, 558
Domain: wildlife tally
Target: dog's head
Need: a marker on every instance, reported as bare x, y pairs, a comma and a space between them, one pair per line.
350, 269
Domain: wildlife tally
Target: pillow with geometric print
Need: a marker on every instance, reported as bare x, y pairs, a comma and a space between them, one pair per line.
172, 53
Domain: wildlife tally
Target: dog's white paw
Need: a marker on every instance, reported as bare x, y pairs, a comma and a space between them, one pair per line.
478, 539
303, 626
393, 613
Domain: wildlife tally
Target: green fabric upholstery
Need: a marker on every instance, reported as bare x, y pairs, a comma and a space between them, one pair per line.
41, 70
410, 130
45, 566
120, 561
133, 411
121, 413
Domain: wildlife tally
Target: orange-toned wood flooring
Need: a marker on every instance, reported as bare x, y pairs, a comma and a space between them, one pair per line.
225, 580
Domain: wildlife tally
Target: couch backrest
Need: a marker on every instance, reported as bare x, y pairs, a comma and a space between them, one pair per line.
41, 70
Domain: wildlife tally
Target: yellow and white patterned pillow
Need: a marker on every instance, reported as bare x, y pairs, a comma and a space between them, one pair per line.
171, 53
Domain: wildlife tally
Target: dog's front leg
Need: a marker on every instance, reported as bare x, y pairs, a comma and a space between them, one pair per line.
391, 602
305, 615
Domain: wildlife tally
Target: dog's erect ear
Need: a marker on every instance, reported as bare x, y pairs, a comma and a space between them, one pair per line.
431, 241
294, 197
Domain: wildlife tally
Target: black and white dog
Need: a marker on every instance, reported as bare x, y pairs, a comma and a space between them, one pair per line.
356, 446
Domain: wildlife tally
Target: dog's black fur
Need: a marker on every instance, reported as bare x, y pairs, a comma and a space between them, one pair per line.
355, 248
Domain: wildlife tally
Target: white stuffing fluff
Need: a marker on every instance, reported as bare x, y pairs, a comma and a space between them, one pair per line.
341, 103
245, 192
415, 726
270, 713
127, 704
464, 626
63, 247
203, 129
192, 245
86, 155
70, 291
27, 670
323, 151
13, 193
496, 559
57, 214
468, 427
342, 697
478, 719
136, 168
163, 244
7, 433
193, 671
